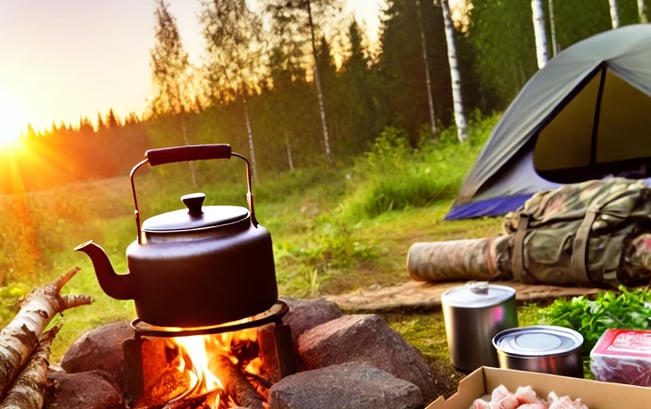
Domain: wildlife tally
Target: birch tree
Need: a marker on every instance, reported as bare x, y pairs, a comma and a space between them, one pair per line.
614, 13
641, 11
540, 32
300, 15
455, 76
233, 35
428, 80
400, 69
552, 26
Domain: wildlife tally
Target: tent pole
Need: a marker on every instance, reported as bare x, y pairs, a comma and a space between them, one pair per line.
595, 124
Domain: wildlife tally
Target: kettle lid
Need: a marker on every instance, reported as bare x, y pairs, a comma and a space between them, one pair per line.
195, 217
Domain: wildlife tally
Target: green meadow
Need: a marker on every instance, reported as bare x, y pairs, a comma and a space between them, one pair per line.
334, 230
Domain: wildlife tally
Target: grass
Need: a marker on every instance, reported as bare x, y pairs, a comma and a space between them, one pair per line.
334, 231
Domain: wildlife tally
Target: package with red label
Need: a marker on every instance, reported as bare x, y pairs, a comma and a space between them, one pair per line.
623, 356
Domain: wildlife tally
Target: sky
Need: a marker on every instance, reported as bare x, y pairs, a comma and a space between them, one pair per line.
64, 59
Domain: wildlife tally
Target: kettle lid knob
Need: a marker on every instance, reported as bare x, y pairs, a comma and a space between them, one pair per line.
194, 202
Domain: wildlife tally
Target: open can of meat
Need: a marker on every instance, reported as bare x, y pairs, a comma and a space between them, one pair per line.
473, 314
542, 348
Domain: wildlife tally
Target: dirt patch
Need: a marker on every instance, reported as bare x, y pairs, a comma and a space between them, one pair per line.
422, 295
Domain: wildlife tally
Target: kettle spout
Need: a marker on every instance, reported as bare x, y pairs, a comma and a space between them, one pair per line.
115, 285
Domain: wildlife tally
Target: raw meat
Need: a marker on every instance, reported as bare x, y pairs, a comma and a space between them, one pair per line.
525, 398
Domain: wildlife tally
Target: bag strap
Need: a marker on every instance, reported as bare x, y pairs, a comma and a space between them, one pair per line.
518, 247
578, 262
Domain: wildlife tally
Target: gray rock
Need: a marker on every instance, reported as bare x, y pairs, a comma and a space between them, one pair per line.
88, 390
330, 387
99, 349
367, 338
306, 314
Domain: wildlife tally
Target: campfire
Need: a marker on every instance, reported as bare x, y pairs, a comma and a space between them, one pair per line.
207, 371
222, 370
315, 355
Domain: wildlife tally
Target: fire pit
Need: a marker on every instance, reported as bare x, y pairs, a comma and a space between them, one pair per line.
349, 361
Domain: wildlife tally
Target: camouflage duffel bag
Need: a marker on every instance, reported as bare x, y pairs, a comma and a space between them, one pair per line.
581, 234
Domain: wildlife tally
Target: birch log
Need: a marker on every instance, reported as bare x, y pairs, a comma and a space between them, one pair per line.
454, 260
20, 337
28, 391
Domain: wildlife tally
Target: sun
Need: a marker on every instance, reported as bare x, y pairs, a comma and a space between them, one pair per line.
12, 121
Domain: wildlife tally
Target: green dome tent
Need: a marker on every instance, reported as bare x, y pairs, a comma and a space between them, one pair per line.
585, 115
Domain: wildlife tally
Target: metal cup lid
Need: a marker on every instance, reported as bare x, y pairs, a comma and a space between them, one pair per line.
477, 294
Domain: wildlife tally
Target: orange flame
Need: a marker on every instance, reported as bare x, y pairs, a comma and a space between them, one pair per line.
198, 350
197, 365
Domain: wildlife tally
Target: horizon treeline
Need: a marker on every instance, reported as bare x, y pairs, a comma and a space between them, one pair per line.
297, 83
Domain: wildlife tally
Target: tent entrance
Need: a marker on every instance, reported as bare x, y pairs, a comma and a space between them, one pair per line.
590, 137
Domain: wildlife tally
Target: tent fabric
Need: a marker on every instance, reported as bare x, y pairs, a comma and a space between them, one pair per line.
503, 176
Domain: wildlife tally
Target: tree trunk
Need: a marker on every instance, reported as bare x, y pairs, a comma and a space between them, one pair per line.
552, 27
288, 148
428, 80
317, 81
187, 142
249, 134
641, 11
455, 76
540, 32
614, 13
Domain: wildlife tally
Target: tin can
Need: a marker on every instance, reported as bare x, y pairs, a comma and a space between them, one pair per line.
473, 314
542, 348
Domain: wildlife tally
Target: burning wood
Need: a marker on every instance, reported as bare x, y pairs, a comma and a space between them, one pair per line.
197, 372
235, 383
20, 337
158, 372
201, 401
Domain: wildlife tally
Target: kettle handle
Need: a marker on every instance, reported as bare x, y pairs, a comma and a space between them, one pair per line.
187, 153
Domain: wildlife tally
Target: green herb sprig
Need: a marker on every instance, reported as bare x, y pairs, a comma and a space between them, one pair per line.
624, 308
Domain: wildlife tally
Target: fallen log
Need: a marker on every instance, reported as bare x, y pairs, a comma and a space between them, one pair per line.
21, 336
235, 383
28, 391
470, 259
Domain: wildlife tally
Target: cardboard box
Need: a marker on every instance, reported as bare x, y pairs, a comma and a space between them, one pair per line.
594, 394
